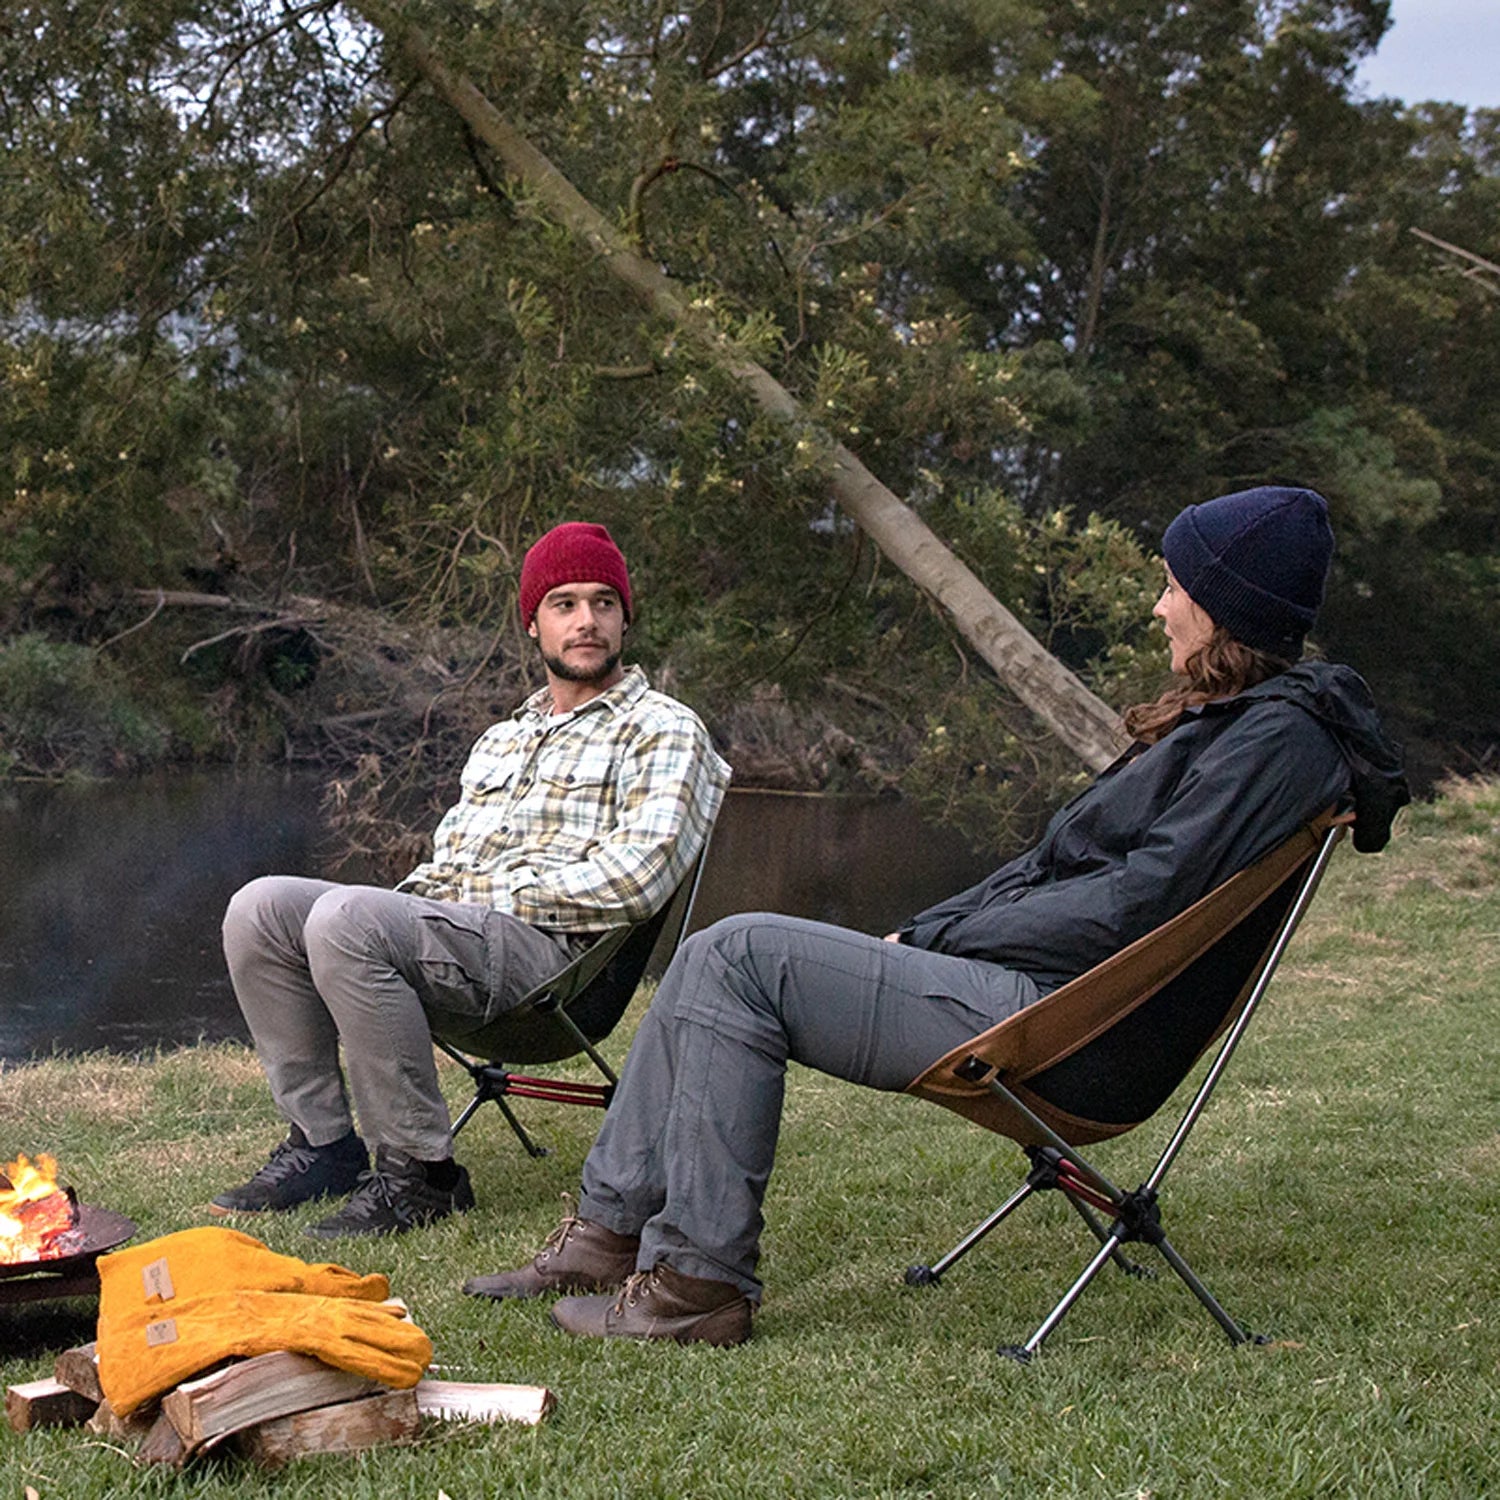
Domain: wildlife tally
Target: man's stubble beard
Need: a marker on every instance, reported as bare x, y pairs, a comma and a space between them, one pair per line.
559, 668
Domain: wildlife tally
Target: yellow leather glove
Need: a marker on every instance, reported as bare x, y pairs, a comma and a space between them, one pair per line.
197, 1262
145, 1351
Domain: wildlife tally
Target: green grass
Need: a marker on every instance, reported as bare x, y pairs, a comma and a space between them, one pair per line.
1341, 1196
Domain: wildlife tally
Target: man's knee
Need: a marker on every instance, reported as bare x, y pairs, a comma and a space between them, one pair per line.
351, 919
256, 908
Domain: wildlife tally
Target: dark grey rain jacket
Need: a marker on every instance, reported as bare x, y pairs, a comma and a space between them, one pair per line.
1168, 822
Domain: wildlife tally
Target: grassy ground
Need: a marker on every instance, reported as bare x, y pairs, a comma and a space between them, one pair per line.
1341, 1196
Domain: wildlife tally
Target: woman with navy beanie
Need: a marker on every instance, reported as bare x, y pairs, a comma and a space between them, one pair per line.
1245, 579
1247, 743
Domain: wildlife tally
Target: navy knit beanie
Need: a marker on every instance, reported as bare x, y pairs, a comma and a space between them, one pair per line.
1256, 563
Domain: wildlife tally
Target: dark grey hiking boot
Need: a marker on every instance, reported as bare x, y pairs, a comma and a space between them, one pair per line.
394, 1197
579, 1256
296, 1173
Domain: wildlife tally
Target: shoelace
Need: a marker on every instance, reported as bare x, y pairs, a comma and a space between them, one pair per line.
372, 1188
637, 1285
285, 1159
559, 1236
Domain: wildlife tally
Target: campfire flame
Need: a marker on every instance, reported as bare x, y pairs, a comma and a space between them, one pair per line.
36, 1214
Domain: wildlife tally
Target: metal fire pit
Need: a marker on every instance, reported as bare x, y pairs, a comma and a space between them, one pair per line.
70, 1275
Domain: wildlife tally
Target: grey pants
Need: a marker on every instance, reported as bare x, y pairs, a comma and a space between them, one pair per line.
315, 964
688, 1143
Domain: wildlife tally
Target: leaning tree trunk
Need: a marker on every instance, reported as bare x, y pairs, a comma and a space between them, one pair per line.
1081, 721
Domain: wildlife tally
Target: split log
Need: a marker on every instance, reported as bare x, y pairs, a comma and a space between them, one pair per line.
78, 1369
257, 1390
108, 1423
348, 1427
162, 1444
45, 1403
472, 1401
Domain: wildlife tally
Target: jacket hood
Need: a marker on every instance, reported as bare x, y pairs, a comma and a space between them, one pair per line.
1339, 699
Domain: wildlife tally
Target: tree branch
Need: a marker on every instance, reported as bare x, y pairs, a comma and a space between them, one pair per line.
1478, 273
1081, 721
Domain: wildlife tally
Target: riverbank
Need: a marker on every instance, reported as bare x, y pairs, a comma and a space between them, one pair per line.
385, 710
1340, 1195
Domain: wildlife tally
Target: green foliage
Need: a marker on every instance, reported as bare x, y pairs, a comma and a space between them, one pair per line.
64, 708
271, 317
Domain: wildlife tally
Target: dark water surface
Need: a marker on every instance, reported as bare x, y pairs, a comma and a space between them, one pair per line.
111, 896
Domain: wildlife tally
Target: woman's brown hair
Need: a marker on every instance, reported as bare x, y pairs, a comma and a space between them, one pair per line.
1219, 669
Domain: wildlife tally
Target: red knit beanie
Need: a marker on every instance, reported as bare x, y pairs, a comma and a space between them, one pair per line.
575, 552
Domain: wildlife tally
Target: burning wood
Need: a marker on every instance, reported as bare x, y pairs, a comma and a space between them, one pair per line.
38, 1217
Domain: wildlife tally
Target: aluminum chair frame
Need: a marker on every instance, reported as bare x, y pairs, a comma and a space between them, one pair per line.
966, 1076
564, 1017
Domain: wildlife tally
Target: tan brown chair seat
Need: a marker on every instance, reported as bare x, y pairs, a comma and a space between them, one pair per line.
568, 1015
1102, 1054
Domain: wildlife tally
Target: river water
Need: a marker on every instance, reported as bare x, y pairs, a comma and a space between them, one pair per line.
112, 894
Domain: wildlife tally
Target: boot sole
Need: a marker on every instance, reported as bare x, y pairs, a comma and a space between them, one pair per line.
722, 1328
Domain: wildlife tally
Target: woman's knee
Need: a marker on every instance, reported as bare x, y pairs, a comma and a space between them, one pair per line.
726, 942
739, 936
725, 971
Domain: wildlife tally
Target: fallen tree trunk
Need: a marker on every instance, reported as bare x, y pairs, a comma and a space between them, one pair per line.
1080, 720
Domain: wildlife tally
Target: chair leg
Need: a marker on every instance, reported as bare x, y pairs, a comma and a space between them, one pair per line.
1049, 1169
931, 1275
466, 1114
532, 1148
1139, 1220
1101, 1233
490, 1082
1022, 1353
496, 1081
1236, 1334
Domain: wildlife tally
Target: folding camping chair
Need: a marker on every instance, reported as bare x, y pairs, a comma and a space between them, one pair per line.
1102, 1054
569, 1014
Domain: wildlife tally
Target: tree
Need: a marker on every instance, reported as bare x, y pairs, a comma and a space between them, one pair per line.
1084, 724
1031, 261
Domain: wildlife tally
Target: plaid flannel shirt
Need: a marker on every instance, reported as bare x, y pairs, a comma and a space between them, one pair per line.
581, 821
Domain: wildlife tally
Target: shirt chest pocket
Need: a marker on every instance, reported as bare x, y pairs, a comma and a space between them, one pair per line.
487, 782
589, 777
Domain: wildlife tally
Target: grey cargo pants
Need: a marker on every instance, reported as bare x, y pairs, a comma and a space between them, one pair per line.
688, 1143
315, 964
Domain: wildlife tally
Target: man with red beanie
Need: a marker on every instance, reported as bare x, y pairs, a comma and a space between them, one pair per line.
581, 812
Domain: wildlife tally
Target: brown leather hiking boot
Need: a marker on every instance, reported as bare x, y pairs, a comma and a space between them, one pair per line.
661, 1304
579, 1256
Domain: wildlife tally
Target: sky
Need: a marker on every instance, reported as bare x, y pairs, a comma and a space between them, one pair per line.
1439, 49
